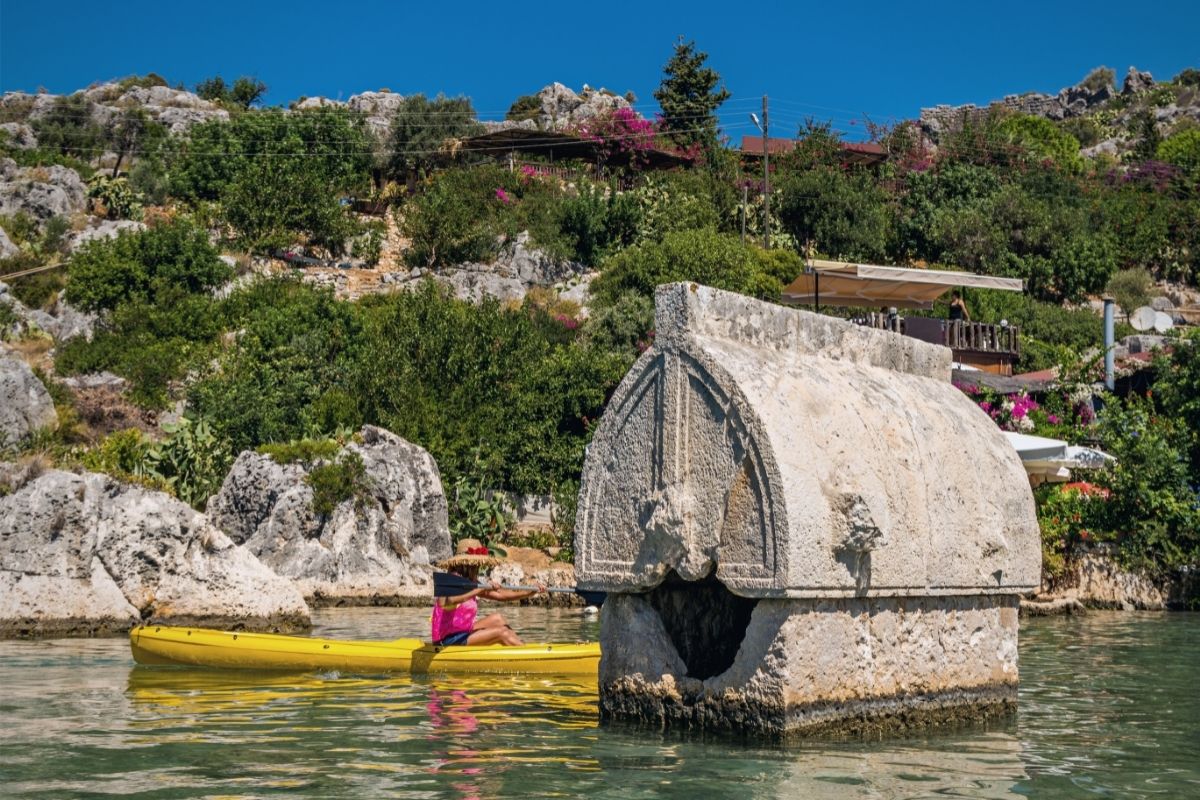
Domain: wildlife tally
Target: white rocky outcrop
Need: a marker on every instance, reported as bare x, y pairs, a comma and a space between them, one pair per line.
19, 134
377, 110
519, 267
99, 229
311, 103
373, 549
562, 108
175, 108
40, 192
25, 405
65, 323
83, 554
7, 248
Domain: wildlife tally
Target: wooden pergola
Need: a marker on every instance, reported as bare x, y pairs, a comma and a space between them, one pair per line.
844, 283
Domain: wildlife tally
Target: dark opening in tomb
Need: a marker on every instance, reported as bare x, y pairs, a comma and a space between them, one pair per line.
706, 621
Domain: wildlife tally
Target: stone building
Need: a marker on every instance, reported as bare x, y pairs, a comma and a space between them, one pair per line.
802, 525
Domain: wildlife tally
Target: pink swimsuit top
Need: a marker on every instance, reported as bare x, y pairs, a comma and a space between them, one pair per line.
447, 621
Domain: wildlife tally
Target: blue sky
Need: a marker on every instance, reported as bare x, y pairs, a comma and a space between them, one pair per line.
832, 61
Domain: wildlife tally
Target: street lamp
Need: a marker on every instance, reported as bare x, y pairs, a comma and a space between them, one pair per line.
766, 175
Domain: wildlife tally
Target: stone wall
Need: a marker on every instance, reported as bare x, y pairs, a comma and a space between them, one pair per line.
789, 494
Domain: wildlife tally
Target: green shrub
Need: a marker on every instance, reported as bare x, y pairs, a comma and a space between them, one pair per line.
1182, 150
108, 272
422, 129
457, 218
368, 244
192, 460
147, 81
1151, 513
276, 202
476, 514
243, 93
331, 142
527, 106
597, 221
1099, 78
68, 128
1086, 130
704, 256
1041, 139
119, 199
842, 214
338, 481
301, 451
1068, 518
1130, 288
673, 201
278, 380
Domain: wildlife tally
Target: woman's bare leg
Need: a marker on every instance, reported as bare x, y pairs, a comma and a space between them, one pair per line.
505, 636
491, 621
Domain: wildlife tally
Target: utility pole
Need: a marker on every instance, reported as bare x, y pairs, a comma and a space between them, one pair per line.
745, 208
766, 181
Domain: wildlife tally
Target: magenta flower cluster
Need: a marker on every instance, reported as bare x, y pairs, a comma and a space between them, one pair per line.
503, 196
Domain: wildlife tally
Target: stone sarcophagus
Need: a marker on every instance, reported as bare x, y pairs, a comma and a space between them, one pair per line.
802, 525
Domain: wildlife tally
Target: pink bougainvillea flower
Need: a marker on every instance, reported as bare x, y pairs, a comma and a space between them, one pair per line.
502, 196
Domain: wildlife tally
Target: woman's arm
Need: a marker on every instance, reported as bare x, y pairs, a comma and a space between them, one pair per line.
508, 595
462, 598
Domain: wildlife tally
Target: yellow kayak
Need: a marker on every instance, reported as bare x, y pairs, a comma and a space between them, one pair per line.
200, 647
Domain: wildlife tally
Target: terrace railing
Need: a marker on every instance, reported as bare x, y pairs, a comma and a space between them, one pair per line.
959, 335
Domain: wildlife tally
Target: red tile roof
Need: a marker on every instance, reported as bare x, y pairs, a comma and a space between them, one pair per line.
858, 152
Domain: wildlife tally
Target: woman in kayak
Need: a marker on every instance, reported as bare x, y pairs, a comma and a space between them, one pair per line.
454, 618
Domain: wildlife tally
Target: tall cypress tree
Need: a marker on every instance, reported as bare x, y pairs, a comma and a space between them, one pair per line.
689, 98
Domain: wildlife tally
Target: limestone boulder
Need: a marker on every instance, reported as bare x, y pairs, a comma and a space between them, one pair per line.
19, 134
528, 567
40, 192
99, 229
65, 323
373, 549
83, 554
1136, 81
377, 110
25, 405
311, 103
562, 108
1096, 580
520, 266
7, 248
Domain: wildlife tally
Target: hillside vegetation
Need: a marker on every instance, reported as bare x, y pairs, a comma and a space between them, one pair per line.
508, 393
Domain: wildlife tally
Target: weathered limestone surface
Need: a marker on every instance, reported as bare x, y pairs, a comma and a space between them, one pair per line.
1097, 581
378, 550
25, 404
847, 664
793, 482
83, 554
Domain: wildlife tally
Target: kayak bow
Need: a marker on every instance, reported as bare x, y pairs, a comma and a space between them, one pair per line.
200, 647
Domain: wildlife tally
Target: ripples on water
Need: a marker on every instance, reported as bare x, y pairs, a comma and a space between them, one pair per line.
1109, 707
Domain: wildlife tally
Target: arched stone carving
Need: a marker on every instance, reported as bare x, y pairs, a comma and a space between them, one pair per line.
678, 481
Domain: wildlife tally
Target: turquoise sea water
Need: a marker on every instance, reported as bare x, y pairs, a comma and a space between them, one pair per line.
1109, 707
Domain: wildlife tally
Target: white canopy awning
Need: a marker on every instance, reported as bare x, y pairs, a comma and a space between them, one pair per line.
842, 283
1051, 460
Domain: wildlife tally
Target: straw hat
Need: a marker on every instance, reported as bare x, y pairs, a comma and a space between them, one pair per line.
470, 553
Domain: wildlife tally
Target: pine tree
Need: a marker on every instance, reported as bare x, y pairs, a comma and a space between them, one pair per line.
689, 98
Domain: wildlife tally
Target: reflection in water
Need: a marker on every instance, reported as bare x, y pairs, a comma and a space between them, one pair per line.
1107, 707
